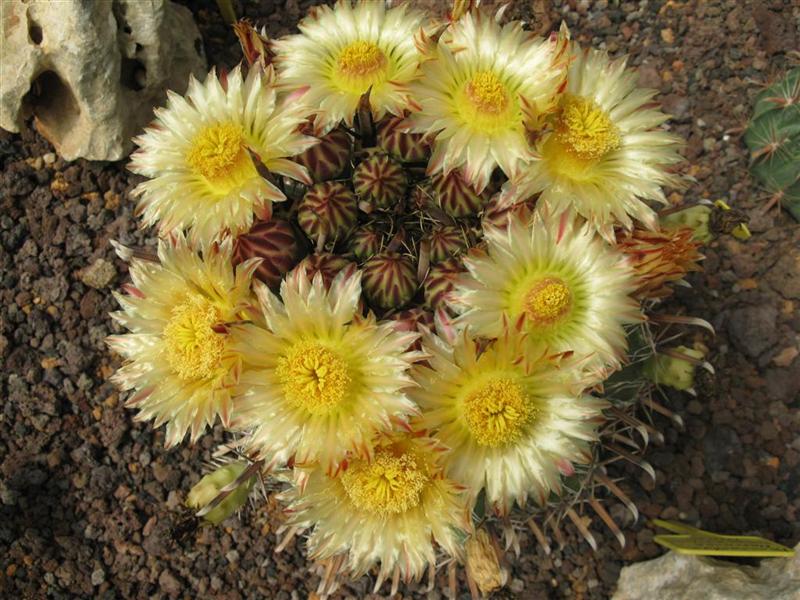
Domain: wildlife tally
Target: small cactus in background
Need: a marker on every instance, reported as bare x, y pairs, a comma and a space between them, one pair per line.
773, 138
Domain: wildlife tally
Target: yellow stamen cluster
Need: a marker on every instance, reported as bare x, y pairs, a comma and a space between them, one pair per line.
487, 93
217, 151
391, 484
585, 130
194, 349
547, 301
313, 377
497, 412
361, 59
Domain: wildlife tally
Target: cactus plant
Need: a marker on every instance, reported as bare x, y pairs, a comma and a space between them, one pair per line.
430, 375
773, 138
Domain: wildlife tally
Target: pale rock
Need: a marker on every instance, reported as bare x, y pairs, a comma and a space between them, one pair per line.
681, 577
99, 274
91, 72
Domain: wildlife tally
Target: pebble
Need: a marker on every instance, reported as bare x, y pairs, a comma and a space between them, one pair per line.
98, 577
99, 274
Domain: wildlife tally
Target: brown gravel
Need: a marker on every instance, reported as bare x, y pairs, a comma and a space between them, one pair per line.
88, 498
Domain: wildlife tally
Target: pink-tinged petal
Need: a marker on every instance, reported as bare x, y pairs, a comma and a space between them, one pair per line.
565, 467
263, 210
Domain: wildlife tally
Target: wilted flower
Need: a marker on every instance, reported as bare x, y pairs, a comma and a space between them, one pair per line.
660, 258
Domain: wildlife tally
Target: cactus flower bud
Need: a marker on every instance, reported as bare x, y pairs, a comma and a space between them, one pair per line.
210, 486
677, 373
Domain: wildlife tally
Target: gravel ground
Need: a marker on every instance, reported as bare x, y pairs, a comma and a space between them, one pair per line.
89, 498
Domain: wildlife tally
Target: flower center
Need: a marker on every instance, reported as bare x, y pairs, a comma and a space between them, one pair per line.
391, 484
497, 412
218, 152
547, 301
585, 130
313, 377
361, 60
487, 93
194, 349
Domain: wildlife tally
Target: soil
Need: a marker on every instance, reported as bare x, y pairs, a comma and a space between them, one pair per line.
89, 498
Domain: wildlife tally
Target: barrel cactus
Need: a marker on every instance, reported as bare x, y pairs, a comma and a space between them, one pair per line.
417, 281
773, 138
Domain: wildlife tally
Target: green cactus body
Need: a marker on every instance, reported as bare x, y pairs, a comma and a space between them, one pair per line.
328, 159
380, 180
276, 243
389, 280
446, 241
328, 211
773, 138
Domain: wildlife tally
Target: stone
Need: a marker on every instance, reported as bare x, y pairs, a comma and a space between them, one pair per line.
784, 277
90, 73
680, 577
753, 329
98, 576
649, 77
99, 274
719, 445
677, 107
169, 583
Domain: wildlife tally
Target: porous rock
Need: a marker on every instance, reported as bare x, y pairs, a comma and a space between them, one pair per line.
680, 577
91, 72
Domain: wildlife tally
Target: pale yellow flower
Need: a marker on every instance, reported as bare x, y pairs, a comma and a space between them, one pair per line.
568, 289
319, 379
179, 360
515, 420
394, 510
605, 155
343, 52
200, 155
481, 91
